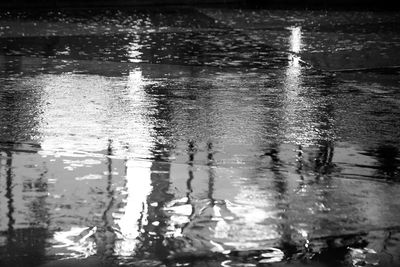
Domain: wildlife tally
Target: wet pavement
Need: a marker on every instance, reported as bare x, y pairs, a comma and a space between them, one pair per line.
199, 137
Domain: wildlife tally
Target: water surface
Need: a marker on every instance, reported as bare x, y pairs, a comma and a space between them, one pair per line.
167, 143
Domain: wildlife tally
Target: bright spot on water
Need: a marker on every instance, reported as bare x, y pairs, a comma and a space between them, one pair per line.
293, 71
138, 187
138, 175
134, 53
77, 240
295, 39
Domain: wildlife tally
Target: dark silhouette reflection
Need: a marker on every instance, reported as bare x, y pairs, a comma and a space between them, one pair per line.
25, 246
50, 47
153, 244
191, 151
286, 242
153, 233
280, 182
10, 206
11, 64
388, 161
20, 106
323, 161
105, 234
191, 155
300, 162
211, 173
335, 251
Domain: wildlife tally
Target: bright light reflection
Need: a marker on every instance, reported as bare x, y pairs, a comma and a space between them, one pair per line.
295, 39
98, 112
77, 241
293, 71
138, 172
134, 51
295, 103
138, 187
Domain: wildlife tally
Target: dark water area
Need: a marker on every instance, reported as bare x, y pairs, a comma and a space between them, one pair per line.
199, 137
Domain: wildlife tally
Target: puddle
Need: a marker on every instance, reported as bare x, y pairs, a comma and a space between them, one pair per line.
190, 157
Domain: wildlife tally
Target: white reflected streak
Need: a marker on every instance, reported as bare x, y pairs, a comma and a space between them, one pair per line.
134, 48
79, 241
138, 172
293, 72
295, 39
138, 187
139, 123
293, 75
135, 84
297, 123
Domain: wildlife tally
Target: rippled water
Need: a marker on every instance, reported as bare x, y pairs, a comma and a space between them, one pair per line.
164, 138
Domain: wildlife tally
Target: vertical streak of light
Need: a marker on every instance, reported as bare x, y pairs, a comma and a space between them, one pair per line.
295, 39
138, 173
134, 50
293, 70
138, 187
294, 102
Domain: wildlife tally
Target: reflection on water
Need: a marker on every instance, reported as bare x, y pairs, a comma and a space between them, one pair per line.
294, 102
140, 164
295, 39
134, 214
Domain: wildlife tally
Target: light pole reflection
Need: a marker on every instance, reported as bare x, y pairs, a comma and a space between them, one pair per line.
295, 39
138, 172
133, 49
298, 105
293, 71
138, 187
